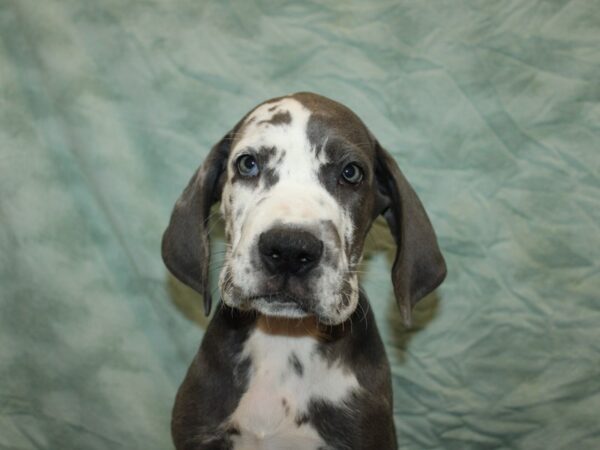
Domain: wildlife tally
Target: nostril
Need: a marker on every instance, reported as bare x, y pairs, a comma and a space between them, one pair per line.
304, 258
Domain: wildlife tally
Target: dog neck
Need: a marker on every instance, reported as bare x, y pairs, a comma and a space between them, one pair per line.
295, 327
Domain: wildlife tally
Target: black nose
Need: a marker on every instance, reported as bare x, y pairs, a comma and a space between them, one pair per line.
285, 250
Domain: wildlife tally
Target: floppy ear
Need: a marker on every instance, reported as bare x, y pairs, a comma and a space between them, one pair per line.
185, 246
419, 266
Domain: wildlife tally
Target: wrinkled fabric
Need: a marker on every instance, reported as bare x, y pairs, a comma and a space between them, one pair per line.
491, 109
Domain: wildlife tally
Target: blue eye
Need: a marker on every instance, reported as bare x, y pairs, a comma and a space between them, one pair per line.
247, 166
352, 174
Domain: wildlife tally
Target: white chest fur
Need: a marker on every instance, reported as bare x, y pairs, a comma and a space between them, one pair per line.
286, 373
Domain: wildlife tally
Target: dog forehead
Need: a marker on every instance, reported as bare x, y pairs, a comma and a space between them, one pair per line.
303, 119
278, 123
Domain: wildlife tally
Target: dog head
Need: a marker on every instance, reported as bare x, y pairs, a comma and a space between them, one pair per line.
300, 180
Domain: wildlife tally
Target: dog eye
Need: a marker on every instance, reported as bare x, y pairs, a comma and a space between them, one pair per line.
352, 174
247, 166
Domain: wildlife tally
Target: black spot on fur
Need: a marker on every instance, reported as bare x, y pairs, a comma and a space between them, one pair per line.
286, 406
271, 177
295, 364
280, 118
301, 419
265, 153
281, 156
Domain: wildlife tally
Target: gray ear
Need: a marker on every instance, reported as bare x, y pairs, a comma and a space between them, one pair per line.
419, 266
185, 246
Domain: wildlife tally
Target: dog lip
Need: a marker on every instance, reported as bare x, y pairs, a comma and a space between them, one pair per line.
279, 309
279, 303
282, 298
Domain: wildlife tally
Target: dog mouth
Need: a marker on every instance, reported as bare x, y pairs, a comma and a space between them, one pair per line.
280, 304
328, 304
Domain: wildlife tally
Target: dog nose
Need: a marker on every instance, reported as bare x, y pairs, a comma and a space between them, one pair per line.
289, 251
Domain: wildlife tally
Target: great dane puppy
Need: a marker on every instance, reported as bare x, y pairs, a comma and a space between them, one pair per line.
292, 358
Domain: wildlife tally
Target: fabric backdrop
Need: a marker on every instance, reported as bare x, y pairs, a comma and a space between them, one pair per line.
491, 108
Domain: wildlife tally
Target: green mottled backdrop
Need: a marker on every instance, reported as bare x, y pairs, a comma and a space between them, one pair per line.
492, 109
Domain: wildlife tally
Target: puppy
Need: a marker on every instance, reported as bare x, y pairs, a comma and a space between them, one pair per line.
292, 358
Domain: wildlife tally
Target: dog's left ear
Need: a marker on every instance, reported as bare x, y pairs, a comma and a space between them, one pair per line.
419, 266
185, 243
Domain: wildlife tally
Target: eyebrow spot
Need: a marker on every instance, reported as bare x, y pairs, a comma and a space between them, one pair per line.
280, 118
271, 177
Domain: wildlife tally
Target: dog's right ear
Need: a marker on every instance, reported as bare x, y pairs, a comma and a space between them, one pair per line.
185, 244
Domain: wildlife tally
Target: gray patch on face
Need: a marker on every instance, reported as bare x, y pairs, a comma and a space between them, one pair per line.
264, 154
269, 173
270, 177
280, 118
295, 364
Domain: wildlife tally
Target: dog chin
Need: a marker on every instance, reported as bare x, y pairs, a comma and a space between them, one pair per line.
287, 310
276, 308
283, 308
